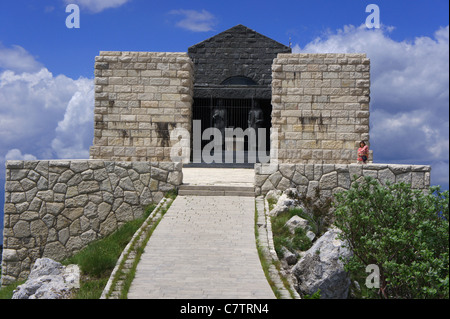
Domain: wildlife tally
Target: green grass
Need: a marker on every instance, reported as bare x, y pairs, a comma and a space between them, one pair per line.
265, 263
272, 203
99, 258
91, 288
7, 292
283, 237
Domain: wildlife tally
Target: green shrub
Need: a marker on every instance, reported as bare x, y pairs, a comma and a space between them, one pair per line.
315, 295
404, 232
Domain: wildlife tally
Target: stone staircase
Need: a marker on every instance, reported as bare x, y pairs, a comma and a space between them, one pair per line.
217, 182
216, 190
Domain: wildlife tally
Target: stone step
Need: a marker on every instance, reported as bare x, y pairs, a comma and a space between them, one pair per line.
216, 190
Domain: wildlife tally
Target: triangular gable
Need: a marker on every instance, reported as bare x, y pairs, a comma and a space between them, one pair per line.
242, 33
238, 52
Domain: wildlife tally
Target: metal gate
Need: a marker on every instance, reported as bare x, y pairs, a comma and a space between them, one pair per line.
236, 113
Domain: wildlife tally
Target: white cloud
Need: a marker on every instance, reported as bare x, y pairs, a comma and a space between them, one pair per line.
401, 72
409, 93
197, 21
17, 59
74, 132
45, 115
16, 154
96, 6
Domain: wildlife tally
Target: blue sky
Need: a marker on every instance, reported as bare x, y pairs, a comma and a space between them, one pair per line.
39, 26
46, 69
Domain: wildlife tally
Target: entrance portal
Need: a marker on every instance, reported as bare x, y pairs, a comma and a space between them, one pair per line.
232, 74
235, 115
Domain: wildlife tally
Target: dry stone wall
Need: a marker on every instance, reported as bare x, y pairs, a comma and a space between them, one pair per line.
140, 97
332, 178
55, 208
320, 107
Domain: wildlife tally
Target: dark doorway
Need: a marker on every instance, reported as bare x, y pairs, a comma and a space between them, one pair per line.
236, 113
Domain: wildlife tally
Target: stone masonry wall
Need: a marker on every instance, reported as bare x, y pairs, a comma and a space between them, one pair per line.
332, 178
320, 107
55, 208
140, 97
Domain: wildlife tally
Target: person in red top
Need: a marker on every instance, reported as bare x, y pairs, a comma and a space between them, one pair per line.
363, 153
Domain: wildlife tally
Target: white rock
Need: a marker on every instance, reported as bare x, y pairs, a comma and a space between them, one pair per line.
274, 194
49, 279
285, 202
321, 268
289, 256
71, 276
297, 222
311, 235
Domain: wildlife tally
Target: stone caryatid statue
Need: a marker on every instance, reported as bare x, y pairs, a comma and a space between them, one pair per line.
219, 116
256, 117
256, 120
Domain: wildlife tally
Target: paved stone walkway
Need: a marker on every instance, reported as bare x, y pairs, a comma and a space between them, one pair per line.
219, 176
204, 247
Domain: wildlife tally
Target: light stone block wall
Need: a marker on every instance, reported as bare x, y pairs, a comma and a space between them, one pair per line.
320, 107
55, 208
332, 178
140, 97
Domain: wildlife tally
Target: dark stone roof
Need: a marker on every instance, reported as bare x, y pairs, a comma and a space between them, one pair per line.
237, 52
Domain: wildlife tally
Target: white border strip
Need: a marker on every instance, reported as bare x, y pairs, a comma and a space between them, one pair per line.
128, 247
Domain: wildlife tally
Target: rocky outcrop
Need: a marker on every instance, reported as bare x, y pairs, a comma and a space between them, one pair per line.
321, 268
49, 279
285, 201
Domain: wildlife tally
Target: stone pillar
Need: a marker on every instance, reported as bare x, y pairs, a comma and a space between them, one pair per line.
320, 107
140, 97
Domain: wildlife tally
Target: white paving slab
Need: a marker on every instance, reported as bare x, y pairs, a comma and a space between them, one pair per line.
204, 247
218, 176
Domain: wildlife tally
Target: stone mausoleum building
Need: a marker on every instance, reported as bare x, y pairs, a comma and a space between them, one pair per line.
156, 112
317, 105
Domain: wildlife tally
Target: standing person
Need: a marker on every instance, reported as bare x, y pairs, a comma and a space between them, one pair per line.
363, 153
